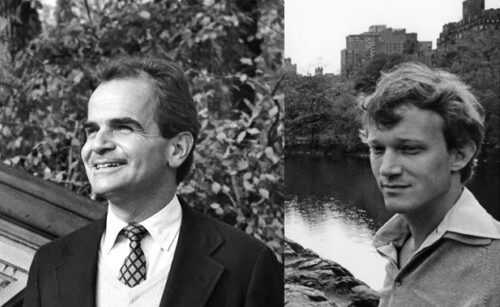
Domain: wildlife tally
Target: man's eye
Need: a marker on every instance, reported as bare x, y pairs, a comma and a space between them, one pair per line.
89, 131
411, 150
376, 150
124, 128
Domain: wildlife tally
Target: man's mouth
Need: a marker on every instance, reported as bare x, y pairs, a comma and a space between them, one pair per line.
100, 165
107, 165
394, 187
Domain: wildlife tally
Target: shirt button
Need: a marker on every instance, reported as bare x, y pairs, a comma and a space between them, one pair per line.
397, 282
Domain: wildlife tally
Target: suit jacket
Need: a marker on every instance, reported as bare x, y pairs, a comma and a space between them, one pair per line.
214, 265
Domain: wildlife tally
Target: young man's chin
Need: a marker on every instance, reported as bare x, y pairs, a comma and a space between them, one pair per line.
397, 205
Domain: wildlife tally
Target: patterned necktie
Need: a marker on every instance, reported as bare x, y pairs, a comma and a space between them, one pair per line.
133, 270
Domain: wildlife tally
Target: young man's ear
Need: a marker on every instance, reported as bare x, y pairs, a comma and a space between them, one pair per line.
462, 156
179, 149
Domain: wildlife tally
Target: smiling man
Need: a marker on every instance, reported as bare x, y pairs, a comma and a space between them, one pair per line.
151, 248
424, 128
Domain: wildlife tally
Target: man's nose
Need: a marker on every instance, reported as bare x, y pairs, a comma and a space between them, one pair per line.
101, 141
390, 164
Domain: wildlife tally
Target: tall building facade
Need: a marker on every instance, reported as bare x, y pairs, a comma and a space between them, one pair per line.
472, 8
361, 48
475, 20
289, 67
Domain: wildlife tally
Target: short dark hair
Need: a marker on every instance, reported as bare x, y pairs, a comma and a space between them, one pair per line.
434, 90
175, 111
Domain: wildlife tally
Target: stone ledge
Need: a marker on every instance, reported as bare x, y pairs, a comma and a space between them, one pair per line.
312, 281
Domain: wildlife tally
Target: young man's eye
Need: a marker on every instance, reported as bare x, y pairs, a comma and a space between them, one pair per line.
411, 150
376, 150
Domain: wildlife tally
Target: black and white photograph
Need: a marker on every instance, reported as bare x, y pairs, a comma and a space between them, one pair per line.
142, 153
392, 153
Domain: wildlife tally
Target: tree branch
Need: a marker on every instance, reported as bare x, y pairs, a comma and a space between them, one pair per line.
88, 10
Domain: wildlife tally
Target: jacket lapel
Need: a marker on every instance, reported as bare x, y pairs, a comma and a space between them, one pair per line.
76, 278
194, 274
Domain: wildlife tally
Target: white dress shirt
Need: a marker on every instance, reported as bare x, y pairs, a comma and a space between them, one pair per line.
158, 245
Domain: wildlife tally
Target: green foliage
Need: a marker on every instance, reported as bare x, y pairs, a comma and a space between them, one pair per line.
366, 79
230, 52
323, 111
476, 59
245, 187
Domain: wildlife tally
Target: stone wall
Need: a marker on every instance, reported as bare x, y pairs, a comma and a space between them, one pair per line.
311, 281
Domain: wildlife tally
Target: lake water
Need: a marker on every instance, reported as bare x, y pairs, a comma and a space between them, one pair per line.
334, 208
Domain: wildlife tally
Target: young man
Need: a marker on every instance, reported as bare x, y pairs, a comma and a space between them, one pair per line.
150, 249
424, 129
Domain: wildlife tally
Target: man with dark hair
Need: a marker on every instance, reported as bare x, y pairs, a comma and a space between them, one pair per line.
424, 129
151, 248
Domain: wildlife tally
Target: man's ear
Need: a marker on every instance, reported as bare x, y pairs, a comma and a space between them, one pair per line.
179, 148
462, 156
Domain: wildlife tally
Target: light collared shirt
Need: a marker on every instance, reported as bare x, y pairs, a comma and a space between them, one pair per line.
158, 244
458, 264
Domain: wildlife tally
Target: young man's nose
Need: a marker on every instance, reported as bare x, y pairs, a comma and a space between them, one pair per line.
390, 164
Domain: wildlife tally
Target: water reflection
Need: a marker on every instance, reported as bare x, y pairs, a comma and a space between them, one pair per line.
336, 232
348, 180
484, 185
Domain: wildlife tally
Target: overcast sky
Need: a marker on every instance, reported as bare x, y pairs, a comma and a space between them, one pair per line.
315, 30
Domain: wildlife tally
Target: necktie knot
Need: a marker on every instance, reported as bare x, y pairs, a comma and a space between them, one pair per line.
134, 232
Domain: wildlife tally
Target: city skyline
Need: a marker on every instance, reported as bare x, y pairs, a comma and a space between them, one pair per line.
315, 32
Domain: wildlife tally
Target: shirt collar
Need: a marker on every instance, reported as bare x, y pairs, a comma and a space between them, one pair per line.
163, 226
466, 222
468, 217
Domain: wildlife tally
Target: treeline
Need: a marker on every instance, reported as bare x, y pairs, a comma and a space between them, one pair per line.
322, 115
322, 112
